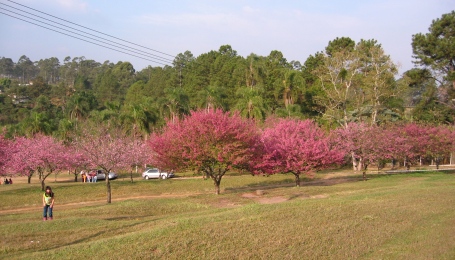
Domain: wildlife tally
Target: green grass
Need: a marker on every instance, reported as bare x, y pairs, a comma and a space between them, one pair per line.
402, 216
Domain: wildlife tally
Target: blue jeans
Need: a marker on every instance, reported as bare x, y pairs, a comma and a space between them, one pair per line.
47, 209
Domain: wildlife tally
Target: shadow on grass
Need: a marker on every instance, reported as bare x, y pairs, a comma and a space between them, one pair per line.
268, 185
331, 181
264, 185
404, 173
120, 229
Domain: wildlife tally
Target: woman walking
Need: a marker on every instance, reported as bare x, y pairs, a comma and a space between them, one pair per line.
48, 203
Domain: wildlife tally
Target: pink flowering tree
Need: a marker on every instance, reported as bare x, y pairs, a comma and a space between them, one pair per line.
5, 153
75, 160
140, 155
440, 143
22, 159
38, 154
106, 150
297, 147
407, 142
364, 143
212, 142
348, 139
52, 156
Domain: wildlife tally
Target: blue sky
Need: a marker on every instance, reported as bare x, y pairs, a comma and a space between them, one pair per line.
296, 28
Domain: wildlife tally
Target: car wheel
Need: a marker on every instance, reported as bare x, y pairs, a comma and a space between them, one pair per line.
146, 177
163, 177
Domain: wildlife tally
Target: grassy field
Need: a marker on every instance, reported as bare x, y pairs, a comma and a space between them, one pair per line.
334, 216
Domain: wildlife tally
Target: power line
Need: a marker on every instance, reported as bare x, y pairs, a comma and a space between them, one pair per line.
157, 57
91, 29
81, 39
151, 57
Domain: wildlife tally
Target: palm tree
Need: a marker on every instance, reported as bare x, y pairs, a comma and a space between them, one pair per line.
36, 123
250, 103
139, 118
174, 103
211, 97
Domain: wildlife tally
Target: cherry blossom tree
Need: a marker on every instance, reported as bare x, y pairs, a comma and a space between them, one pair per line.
138, 154
104, 149
297, 147
212, 142
440, 143
41, 154
5, 152
75, 160
364, 143
408, 142
22, 159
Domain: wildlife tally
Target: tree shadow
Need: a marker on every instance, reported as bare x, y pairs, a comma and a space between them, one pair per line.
101, 233
263, 185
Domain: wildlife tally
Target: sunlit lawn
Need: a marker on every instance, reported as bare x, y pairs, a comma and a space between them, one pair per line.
403, 216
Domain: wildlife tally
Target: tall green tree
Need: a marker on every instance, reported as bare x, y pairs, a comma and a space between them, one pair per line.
340, 44
212, 97
138, 118
436, 49
425, 99
378, 80
6, 67
49, 69
36, 123
275, 67
338, 78
250, 103
174, 104
25, 69
108, 88
80, 104
357, 84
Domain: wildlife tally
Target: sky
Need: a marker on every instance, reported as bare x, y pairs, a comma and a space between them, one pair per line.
297, 28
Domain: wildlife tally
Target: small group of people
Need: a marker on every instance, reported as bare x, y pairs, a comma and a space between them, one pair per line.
6, 181
89, 176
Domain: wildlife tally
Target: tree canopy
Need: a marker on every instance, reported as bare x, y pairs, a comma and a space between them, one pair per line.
211, 142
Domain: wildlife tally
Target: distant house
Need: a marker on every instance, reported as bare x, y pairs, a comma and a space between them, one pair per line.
26, 84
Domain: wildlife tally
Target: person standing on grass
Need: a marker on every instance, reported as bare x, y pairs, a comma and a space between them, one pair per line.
89, 176
94, 177
48, 203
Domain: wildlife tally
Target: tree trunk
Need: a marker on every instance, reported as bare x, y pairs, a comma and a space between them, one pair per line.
360, 164
217, 186
108, 189
29, 178
297, 179
216, 179
354, 162
131, 175
43, 178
